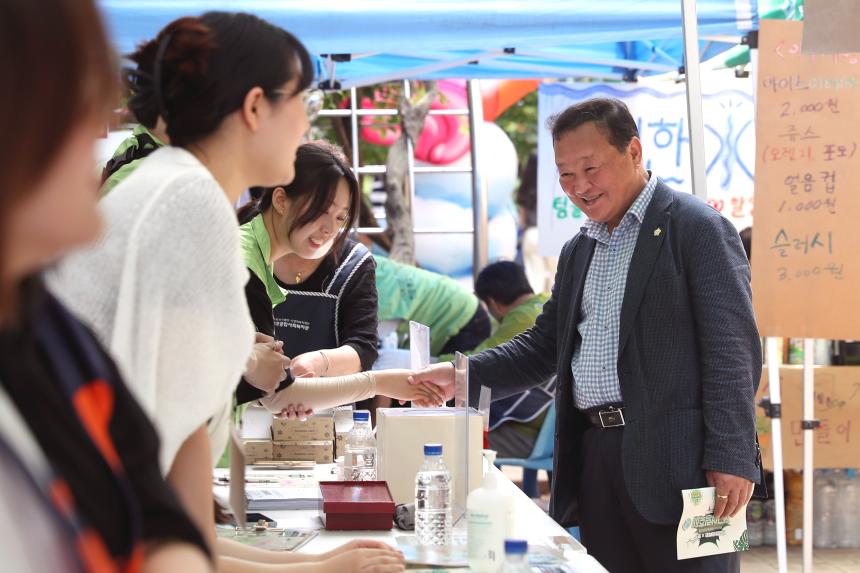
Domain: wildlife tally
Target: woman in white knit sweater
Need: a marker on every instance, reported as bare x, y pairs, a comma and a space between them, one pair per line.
164, 288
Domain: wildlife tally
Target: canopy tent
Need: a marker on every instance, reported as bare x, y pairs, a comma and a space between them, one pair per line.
369, 41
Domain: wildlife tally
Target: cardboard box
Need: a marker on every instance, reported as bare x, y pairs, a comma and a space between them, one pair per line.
257, 450
400, 437
319, 451
314, 429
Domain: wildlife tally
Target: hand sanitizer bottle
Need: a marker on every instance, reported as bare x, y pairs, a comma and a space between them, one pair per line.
489, 516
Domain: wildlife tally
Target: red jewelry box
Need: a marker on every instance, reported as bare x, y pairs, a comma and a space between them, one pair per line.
356, 505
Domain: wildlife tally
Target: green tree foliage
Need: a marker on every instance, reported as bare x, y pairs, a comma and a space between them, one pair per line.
520, 122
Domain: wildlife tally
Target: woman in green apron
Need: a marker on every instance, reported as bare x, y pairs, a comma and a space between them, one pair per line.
306, 222
328, 320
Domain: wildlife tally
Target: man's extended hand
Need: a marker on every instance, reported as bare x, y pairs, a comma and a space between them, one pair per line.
309, 364
439, 375
733, 493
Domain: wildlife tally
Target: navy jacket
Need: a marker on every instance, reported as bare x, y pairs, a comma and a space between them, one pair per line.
689, 359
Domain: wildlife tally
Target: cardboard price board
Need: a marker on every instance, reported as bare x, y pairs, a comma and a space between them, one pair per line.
830, 26
837, 406
806, 239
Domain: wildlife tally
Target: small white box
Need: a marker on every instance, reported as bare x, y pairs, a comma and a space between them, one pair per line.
401, 434
256, 424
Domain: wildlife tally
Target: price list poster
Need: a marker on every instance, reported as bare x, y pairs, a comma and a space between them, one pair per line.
806, 234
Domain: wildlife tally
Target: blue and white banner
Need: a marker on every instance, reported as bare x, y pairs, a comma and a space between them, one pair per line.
660, 111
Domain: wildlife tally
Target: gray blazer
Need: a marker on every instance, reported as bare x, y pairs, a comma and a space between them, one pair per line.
689, 359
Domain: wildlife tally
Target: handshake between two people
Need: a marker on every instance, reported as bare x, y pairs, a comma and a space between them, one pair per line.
429, 387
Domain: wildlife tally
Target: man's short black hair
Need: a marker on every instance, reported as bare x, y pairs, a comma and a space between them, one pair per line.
610, 115
504, 282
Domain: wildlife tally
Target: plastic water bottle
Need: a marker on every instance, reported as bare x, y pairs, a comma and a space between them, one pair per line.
433, 519
847, 518
770, 523
824, 510
755, 523
360, 454
793, 510
516, 556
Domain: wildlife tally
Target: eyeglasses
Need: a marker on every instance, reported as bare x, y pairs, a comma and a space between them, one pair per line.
313, 100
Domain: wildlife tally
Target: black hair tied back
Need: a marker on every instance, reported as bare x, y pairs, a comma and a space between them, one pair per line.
156, 74
198, 70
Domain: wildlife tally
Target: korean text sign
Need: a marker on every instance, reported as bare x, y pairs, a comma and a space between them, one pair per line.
806, 239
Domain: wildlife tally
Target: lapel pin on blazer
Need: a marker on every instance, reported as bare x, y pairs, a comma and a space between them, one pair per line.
657, 231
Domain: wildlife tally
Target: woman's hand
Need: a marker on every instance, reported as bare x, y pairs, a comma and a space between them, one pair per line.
395, 384
266, 367
362, 556
295, 412
358, 544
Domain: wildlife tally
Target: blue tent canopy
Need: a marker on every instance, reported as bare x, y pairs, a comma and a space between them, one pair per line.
359, 42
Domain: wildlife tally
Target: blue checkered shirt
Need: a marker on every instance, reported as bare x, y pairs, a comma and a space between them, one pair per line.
595, 360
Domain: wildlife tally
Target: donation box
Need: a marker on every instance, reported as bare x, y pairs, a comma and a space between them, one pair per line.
401, 434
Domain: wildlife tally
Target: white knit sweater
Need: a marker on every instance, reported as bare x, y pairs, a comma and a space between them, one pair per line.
164, 291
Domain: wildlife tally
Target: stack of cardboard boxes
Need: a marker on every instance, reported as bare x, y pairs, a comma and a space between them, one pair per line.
294, 440
258, 451
309, 440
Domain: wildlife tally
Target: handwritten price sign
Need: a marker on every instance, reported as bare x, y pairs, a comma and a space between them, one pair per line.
837, 406
806, 238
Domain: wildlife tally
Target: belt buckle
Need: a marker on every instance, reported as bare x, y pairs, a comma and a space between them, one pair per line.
611, 418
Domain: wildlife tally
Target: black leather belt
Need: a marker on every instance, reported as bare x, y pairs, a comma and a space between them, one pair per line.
608, 417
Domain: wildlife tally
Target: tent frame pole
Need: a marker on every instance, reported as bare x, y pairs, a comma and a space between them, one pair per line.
809, 424
773, 410
694, 99
353, 122
410, 159
420, 71
479, 182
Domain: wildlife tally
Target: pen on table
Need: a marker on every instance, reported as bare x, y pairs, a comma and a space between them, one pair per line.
226, 480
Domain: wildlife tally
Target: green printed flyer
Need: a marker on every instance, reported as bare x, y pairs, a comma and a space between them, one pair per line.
700, 534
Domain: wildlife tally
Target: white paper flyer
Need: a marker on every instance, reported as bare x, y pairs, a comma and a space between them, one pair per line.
700, 534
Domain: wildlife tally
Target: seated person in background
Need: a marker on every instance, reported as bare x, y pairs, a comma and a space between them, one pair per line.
516, 420
457, 322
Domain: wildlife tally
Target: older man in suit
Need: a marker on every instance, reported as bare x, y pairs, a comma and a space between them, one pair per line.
651, 332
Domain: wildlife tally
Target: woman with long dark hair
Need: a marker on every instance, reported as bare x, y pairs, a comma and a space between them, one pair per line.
164, 288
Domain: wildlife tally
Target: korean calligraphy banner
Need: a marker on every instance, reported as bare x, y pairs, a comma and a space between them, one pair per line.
660, 111
806, 239
837, 406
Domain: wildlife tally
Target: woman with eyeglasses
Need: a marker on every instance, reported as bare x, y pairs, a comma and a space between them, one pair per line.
307, 220
164, 288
